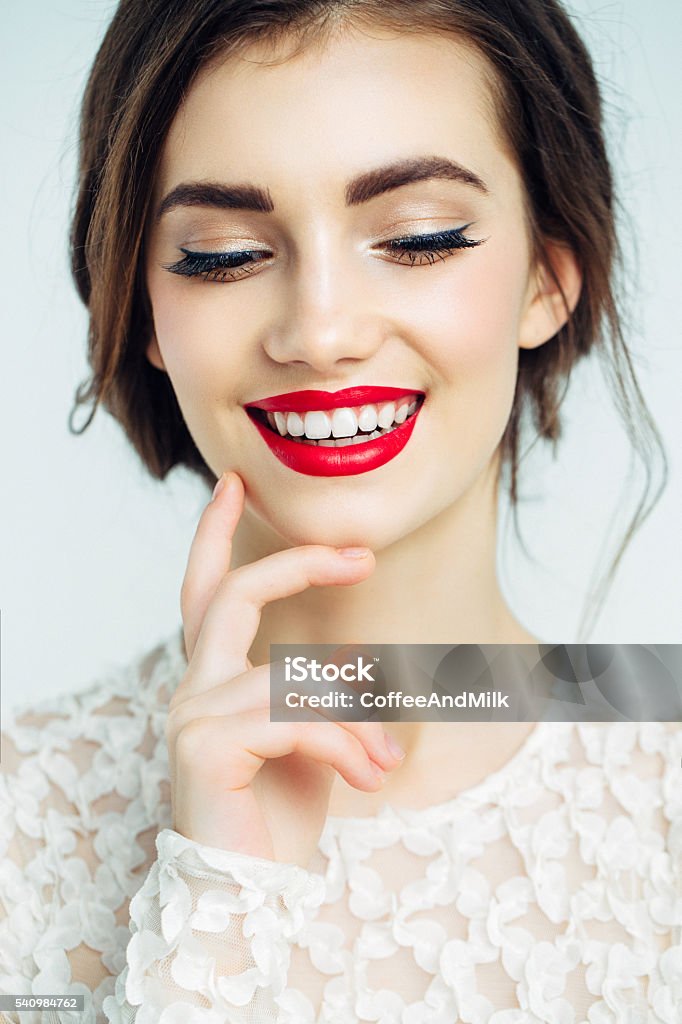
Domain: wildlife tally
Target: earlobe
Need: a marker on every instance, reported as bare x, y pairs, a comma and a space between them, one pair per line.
154, 354
547, 309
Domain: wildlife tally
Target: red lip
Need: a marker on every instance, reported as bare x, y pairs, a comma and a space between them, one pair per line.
308, 401
316, 460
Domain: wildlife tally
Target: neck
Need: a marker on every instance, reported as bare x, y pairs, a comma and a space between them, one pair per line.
436, 585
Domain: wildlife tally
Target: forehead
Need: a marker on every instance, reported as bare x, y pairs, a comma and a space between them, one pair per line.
341, 104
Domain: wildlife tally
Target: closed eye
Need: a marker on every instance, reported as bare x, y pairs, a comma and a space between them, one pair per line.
231, 266
437, 245
217, 266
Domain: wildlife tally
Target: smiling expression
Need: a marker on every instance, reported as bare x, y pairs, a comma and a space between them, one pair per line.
348, 218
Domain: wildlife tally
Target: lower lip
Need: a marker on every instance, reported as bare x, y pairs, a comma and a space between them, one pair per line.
316, 460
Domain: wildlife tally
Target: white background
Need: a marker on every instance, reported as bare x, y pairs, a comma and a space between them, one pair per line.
93, 550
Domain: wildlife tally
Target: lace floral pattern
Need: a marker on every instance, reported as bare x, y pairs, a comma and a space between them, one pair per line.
551, 892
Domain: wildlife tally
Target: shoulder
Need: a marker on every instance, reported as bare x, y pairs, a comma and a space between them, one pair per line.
618, 770
639, 764
645, 750
133, 690
85, 754
139, 680
83, 794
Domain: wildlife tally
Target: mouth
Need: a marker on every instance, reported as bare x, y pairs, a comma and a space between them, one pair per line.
337, 434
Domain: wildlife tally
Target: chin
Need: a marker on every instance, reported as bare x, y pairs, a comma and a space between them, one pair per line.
343, 528
338, 535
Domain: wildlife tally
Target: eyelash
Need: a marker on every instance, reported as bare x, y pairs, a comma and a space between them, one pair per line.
222, 266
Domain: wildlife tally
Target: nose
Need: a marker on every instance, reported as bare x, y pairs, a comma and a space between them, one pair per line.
328, 313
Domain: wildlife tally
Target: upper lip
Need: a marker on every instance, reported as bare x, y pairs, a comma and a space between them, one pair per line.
304, 401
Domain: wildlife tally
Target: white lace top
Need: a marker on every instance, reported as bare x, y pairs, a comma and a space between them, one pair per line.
551, 892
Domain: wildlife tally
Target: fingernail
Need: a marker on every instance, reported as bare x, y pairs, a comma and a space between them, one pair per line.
393, 748
353, 552
219, 486
381, 775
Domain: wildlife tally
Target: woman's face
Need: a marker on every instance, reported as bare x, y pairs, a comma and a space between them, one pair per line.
326, 300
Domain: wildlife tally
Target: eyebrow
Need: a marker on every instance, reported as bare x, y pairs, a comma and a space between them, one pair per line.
359, 190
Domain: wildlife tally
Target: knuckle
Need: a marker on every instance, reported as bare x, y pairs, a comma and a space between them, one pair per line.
377, 731
194, 738
233, 581
180, 694
366, 733
173, 723
345, 744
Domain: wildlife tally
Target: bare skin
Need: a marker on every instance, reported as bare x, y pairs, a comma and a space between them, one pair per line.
329, 307
427, 774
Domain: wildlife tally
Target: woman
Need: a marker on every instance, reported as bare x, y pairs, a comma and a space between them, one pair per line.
331, 251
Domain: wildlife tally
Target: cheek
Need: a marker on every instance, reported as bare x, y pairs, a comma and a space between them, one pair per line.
196, 343
483, 314
469, 332
484, 362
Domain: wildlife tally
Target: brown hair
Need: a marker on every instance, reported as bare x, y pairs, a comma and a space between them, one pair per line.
550, 113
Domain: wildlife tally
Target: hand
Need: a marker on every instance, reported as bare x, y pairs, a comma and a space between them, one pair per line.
239, 781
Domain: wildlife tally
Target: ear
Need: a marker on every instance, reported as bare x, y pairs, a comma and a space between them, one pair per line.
154, 354
546, 312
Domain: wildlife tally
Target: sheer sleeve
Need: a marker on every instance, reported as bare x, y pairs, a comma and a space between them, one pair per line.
211, 934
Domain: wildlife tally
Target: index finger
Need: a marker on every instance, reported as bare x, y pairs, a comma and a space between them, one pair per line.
233, 616
210, 554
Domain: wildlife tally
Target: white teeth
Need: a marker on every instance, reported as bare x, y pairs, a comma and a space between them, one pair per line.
295, 424
342, 442
344, 423
367, 420
401, 413
317, 425
386, 414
